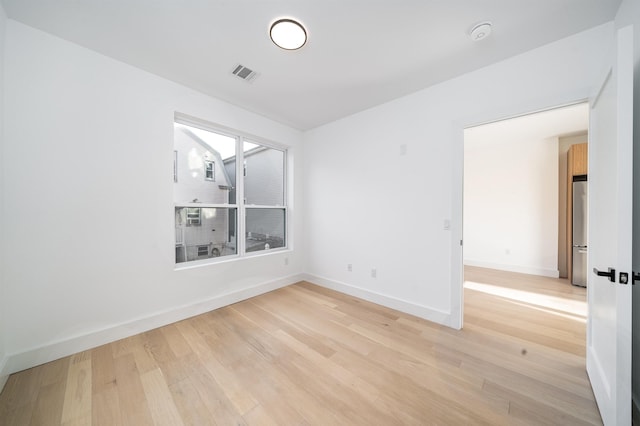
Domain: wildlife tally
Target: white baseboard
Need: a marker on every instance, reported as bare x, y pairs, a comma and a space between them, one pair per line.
425, 312
552, 273
3, 376
74, 344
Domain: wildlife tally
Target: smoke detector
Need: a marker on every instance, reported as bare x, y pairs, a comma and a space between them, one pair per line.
480, 31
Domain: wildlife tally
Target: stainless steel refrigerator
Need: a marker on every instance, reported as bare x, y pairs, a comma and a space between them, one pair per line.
579, 243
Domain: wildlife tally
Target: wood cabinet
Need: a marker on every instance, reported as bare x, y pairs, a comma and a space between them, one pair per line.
577, 165
577, 156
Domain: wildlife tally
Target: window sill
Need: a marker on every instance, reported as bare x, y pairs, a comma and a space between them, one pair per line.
229, 259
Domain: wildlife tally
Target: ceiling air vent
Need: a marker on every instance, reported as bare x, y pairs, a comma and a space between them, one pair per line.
244, 73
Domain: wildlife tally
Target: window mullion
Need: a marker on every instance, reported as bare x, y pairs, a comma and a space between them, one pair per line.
240, 195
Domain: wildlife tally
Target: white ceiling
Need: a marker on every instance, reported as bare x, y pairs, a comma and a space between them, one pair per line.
360, 53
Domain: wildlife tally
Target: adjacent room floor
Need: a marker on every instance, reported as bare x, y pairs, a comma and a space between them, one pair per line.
305, 355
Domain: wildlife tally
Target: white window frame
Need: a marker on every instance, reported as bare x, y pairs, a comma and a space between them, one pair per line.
240, 205
175, 166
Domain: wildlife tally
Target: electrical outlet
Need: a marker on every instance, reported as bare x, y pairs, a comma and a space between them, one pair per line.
374, 273
349, 267
286, 261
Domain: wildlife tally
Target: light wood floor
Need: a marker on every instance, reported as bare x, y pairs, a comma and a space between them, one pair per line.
304, 355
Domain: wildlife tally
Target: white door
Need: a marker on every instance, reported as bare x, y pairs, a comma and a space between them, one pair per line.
610, 226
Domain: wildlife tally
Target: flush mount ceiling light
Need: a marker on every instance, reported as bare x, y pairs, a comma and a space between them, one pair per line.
288, 34
480, 31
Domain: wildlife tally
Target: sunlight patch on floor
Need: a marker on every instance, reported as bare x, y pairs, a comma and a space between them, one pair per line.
574, 317
572, 309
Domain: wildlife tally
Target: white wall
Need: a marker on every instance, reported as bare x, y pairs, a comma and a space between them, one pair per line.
3, 299
89, 150
374, 207
629, 13
511, 198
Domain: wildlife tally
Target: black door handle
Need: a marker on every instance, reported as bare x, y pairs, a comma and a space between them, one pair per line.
611, 274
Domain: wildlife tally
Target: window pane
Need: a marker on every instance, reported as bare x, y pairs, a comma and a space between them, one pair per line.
193, 216
203, 232
265, 229
209, 170
201, 171
263, 175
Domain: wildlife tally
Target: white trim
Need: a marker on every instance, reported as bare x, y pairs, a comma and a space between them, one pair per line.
261, 206
552, 273
229, 258
61, 348
206, 205
422, 311
4, 375
524, 112
456, 303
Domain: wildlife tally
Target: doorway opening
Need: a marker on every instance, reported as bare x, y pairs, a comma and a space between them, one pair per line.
517, 215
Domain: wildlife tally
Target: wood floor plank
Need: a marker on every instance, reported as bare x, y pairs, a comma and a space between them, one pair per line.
233, 389
524, 407
76, 407
259, 416
334, 385
176, 341
105, 410
134, 409
48, 408
193, 410
49, 403
55, 371
163, 408
307, 355
19, 397
103, 375
219, 406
